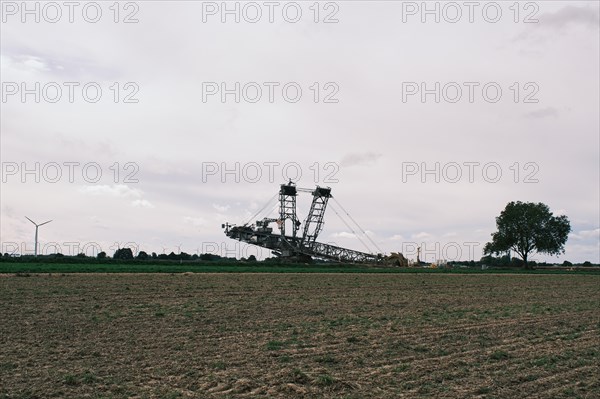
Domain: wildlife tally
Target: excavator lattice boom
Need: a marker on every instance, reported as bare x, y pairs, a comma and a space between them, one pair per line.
288, 244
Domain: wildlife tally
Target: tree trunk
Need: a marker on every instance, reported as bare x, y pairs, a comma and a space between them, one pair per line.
525, 264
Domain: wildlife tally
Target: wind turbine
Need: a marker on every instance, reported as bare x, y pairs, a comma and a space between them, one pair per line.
36, 233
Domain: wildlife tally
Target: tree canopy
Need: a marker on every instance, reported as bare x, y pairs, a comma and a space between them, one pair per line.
123, 253
527, 228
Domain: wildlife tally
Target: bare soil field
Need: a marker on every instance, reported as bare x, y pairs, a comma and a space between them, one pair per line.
299, 335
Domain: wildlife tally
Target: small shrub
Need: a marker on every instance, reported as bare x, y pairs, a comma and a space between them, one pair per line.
499, 355
325, 380
71, 380
298, 376
402, 367
89, 378
218, 365
483, 390
8, 366
274, 345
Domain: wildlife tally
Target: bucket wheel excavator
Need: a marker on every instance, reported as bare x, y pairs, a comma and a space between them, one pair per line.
296, 240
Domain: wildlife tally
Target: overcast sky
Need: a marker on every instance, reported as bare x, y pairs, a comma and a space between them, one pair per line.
423, 129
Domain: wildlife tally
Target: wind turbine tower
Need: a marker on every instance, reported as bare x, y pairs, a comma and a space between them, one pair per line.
36, 233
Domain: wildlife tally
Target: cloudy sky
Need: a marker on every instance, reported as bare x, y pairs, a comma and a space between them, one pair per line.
153, 122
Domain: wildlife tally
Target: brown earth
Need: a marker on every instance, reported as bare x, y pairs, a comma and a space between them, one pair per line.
299, 335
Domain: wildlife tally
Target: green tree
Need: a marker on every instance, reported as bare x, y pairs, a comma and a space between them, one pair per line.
123, 253
527, 228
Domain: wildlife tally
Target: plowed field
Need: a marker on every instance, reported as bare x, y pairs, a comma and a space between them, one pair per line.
299, 335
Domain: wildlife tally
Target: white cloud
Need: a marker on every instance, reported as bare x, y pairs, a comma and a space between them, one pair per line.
35, 63
585, 235
195, 221
421, 236
27, 63
142, 203
221, 208
343, 234
116, 190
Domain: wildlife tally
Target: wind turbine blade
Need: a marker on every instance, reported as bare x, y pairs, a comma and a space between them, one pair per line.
30, 220
41, 224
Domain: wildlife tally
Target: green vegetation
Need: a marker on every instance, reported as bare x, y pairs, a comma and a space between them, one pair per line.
527, 228
499, 355
23, 268
274, 345
325, 380
124, 261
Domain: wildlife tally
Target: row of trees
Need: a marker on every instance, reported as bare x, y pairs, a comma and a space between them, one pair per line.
127, 254
506, 261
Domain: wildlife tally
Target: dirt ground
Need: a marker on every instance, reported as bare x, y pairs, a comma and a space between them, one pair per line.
299, 335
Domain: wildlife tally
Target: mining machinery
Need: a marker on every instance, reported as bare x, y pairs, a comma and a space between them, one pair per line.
296, 240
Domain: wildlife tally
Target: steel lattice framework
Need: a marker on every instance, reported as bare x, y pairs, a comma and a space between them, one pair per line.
288, 244
314, 221
287, 208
